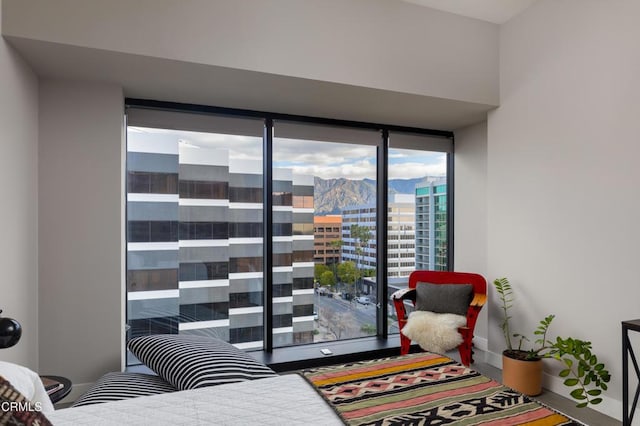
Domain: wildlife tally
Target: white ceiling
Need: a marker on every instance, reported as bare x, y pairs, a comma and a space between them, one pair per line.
496, 11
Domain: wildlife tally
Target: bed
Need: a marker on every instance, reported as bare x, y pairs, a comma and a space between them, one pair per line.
202, 381
280, 400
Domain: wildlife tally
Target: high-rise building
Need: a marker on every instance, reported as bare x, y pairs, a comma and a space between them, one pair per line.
400, 235
293, 266
327, 231
195, 245
431, 226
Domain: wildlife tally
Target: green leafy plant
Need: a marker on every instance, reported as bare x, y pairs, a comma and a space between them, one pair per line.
582, 370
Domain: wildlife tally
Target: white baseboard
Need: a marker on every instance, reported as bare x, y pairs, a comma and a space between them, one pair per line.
609, 406
481, 343
493, 359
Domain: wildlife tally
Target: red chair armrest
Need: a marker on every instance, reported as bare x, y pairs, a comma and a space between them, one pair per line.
398, 299
478, 300
404, 294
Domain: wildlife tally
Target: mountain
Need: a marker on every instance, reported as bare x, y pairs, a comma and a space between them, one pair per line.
405, 186
331, 196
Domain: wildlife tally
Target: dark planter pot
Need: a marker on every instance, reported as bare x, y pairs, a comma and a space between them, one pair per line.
520, 373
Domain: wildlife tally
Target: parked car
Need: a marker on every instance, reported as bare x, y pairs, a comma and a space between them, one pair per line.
363, 300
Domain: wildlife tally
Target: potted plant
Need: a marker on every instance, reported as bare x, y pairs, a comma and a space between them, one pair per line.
522, 367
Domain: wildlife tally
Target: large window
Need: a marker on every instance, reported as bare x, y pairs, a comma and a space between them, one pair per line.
417, 210
209, 253
330, 173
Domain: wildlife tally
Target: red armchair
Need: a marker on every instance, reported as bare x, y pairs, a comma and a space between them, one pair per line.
438, 277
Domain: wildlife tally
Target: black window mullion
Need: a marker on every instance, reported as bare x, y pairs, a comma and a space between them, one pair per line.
381, 234
450, 196
267, 242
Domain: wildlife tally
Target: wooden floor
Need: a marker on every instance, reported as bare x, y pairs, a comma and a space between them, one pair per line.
567, 406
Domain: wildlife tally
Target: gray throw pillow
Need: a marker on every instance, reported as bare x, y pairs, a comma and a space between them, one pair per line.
444, 298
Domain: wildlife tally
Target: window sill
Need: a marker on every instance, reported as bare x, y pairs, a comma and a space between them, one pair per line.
308, 356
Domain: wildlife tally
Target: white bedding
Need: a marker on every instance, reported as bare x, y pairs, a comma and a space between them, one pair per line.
283, 400
28, 383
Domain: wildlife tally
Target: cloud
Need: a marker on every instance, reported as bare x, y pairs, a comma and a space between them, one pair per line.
397, 154
416, 170
357, 170
328, 160
301, 152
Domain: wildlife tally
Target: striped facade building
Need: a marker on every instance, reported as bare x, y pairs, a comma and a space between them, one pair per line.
195, 246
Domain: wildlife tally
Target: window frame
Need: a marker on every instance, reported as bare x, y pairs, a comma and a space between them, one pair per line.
444, 137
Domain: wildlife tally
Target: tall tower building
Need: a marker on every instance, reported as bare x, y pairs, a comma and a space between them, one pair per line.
195, 246
400, 235
431, 226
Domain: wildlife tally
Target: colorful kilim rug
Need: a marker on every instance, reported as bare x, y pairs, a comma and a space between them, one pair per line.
424, 389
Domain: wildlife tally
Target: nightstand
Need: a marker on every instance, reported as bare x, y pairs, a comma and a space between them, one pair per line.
56, 386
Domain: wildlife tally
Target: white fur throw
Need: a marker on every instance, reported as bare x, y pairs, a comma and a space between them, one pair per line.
434, 332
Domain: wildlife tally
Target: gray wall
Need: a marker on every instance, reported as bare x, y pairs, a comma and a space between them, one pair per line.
470, 206
380, 44
81, 238
563, 174
19, 212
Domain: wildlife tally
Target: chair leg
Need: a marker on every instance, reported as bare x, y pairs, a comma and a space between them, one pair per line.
465, 354
405, 344
466, 351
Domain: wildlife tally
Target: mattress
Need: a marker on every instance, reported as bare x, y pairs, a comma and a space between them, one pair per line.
282, 400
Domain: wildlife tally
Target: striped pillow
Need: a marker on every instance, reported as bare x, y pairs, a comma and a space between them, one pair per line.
190, 362
117, 386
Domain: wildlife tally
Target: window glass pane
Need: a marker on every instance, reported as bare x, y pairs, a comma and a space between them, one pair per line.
417, 213
194, 226
195, 248
324, 178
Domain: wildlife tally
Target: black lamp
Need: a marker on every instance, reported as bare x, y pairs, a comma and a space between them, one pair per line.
10, 332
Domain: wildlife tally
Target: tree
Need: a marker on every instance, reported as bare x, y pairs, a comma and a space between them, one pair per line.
336, 244
369, 273
368, 329
320, 269
361, 236
347, 272
327, 279
343, 325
